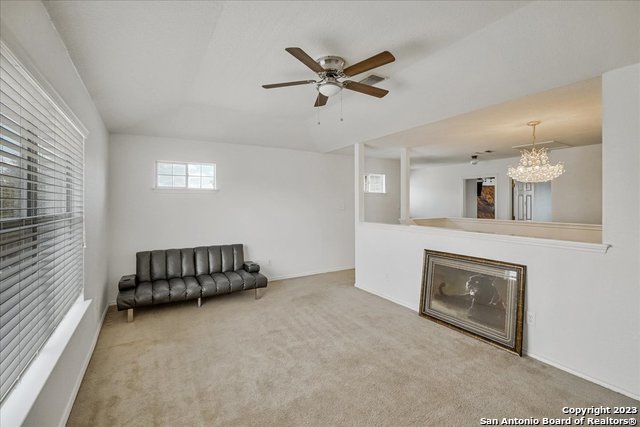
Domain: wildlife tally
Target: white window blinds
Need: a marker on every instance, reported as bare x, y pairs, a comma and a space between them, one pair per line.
41, 218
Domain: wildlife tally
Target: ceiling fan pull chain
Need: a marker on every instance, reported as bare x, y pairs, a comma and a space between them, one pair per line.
341, 119
318, 111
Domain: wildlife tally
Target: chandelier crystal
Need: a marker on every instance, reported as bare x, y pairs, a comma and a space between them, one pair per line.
534, 164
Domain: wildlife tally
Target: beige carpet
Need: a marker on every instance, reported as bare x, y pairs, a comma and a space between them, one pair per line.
312, 351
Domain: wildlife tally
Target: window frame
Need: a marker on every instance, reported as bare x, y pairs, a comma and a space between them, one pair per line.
367, 183
54, 148
186, 187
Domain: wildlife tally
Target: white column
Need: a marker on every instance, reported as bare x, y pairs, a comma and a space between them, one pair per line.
620, 154
405, 175
358, 155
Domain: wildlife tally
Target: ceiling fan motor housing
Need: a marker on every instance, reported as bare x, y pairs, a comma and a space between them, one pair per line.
330, 85
332, 65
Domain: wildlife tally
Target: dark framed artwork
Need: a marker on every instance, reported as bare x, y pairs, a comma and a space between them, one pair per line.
487, 202
480, 297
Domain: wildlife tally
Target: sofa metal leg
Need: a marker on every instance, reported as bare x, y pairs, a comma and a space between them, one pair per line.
258, 296
200, 302
130, 315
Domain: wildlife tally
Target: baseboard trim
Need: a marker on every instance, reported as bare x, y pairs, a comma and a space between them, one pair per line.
85, 365
582, 375
383, 295
311, 273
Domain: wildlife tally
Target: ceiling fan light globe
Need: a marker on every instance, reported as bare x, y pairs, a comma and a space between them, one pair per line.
329, 88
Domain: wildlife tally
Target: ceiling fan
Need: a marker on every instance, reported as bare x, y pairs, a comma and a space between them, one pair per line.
330, 70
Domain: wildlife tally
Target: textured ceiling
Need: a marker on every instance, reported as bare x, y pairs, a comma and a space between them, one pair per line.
193, 69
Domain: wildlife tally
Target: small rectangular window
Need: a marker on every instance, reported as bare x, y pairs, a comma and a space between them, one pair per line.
374, 183
192, 176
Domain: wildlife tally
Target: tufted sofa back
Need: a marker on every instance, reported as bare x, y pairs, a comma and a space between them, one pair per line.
173, 263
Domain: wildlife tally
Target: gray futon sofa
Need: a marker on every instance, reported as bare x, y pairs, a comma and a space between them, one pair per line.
165, 276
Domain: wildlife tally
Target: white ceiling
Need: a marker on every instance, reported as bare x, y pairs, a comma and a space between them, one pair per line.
571, 116
193, 69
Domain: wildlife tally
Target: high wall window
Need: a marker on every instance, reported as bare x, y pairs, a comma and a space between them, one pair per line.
374, 183
41, 218
180, 175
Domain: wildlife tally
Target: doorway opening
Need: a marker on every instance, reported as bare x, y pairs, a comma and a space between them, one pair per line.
480, 197
531, 201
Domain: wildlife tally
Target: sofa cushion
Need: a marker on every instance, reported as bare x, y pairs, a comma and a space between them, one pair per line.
208, 285
158, 265
237, 284
238, 256
177, 289
144, 294
223, 286
194, 290
143, 266
247, 278
202, 261
227, 258
261, 281
188, 262
174, 264
126, 299
161, 292
215, 259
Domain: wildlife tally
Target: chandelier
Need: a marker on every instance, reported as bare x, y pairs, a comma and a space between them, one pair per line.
534, 165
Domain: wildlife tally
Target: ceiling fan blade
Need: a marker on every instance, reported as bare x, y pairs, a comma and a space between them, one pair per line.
320, 100
369, 64
366, 89
302, 56
299, 82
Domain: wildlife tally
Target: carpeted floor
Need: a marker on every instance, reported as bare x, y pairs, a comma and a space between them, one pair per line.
313, 351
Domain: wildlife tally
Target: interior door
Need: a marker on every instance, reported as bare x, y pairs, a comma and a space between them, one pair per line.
523, 194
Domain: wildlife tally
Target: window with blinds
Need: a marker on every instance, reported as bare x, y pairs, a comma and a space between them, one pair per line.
41, 218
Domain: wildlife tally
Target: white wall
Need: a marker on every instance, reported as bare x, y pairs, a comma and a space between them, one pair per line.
27, 30
437, 191
292, 208
543, 202
577, 194
383, 208
586, 302
471, 198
